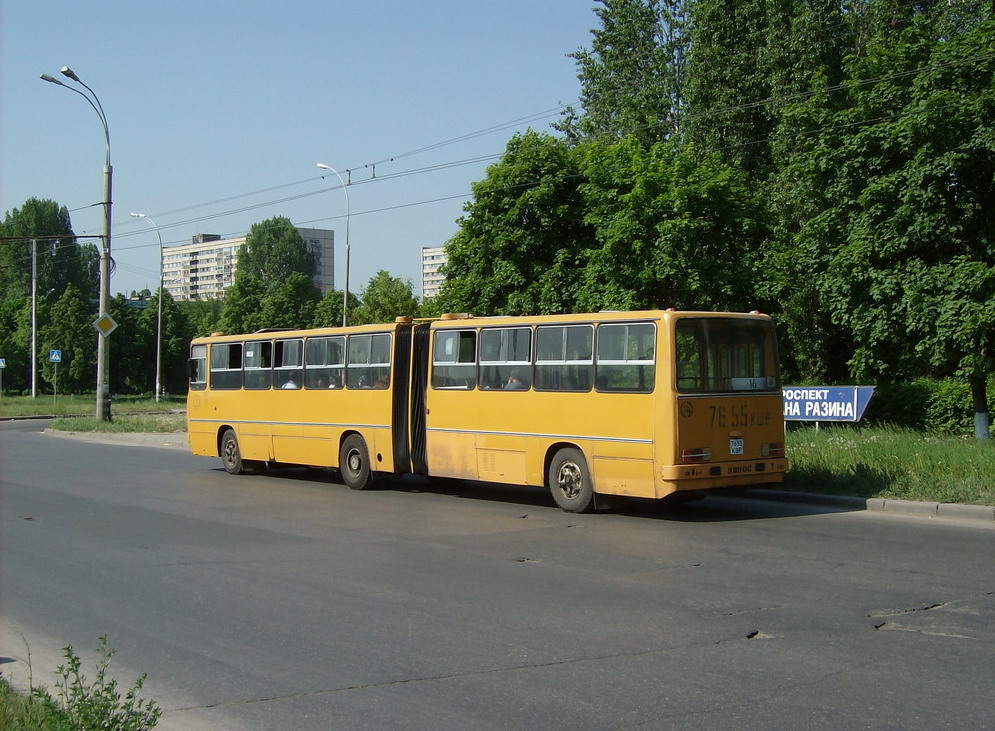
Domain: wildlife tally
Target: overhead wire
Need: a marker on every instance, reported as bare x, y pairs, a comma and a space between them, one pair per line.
443, 166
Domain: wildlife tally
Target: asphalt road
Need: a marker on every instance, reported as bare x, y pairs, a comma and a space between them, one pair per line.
287, 601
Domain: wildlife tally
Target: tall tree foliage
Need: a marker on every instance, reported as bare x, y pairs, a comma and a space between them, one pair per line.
291, 303
328, 311
273, 283
518, 249
913, 276
273, 250
61, 260
632, 76
69, 330
385, 298
672, 230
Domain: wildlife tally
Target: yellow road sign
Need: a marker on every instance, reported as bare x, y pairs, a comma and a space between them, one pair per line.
105, 325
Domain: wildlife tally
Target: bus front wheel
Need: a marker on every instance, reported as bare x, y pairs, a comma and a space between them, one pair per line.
231, 456
570, 481
354, 463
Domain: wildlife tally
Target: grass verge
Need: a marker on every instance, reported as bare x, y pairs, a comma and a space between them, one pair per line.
891, 463
86, 405
138, 422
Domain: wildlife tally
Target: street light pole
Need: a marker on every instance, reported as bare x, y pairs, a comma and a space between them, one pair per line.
345, 289
158, 319
103, 343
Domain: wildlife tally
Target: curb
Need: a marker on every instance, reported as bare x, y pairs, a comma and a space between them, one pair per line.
911, 508
169, 440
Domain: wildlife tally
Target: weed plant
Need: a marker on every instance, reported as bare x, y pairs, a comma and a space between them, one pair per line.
77, 704
891, 462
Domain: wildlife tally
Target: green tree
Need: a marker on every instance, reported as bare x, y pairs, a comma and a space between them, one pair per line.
241, 309
519, 247
632, 76
203, 316
177, 331
273, 250
61, 261
15, 343
291, 303
130, 346
69, 330
385, 298
672, 230
328, 312
906, 232
727, 83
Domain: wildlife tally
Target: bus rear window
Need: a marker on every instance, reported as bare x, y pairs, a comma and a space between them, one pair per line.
717, 355
198, 367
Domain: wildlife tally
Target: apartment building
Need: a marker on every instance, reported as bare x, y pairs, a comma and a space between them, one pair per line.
432, 257
205, 268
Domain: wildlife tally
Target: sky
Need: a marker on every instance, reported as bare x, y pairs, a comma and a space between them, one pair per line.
219, 111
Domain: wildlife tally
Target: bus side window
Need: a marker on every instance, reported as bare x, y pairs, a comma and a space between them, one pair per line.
226, 365
506, 359
564, 358
288, 363
368, 361
258, 361
324, 362
454, 359
626, 357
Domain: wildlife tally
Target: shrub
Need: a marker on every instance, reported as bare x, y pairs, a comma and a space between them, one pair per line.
80, 706
941, 405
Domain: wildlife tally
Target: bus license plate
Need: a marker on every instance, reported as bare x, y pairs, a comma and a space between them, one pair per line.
735, 446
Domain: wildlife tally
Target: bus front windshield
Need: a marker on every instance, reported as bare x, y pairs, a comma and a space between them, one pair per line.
719, 355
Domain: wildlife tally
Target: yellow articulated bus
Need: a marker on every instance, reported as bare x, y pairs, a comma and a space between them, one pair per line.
641, 404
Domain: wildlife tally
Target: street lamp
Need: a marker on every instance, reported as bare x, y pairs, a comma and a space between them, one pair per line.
345, 292
158, 319
103, 343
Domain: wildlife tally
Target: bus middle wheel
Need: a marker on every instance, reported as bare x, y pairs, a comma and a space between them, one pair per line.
570, 481
354, 463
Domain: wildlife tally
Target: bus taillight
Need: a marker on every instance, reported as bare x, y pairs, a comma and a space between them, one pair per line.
772, 449
700, 454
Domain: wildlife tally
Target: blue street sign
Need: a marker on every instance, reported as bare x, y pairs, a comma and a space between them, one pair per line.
826, 403
3, 362
55, 356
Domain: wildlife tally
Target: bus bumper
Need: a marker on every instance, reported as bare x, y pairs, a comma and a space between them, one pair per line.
721, 474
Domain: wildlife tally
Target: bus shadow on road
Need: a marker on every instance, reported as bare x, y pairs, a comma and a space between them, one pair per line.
715, 507
709, 508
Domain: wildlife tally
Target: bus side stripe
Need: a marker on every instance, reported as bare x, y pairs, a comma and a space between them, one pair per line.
565, 437
291, 423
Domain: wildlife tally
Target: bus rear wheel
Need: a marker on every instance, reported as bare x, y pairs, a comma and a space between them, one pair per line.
354, 463
570, 481
231, 456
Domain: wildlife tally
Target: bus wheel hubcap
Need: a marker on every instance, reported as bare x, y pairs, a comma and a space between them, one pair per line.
571, 480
